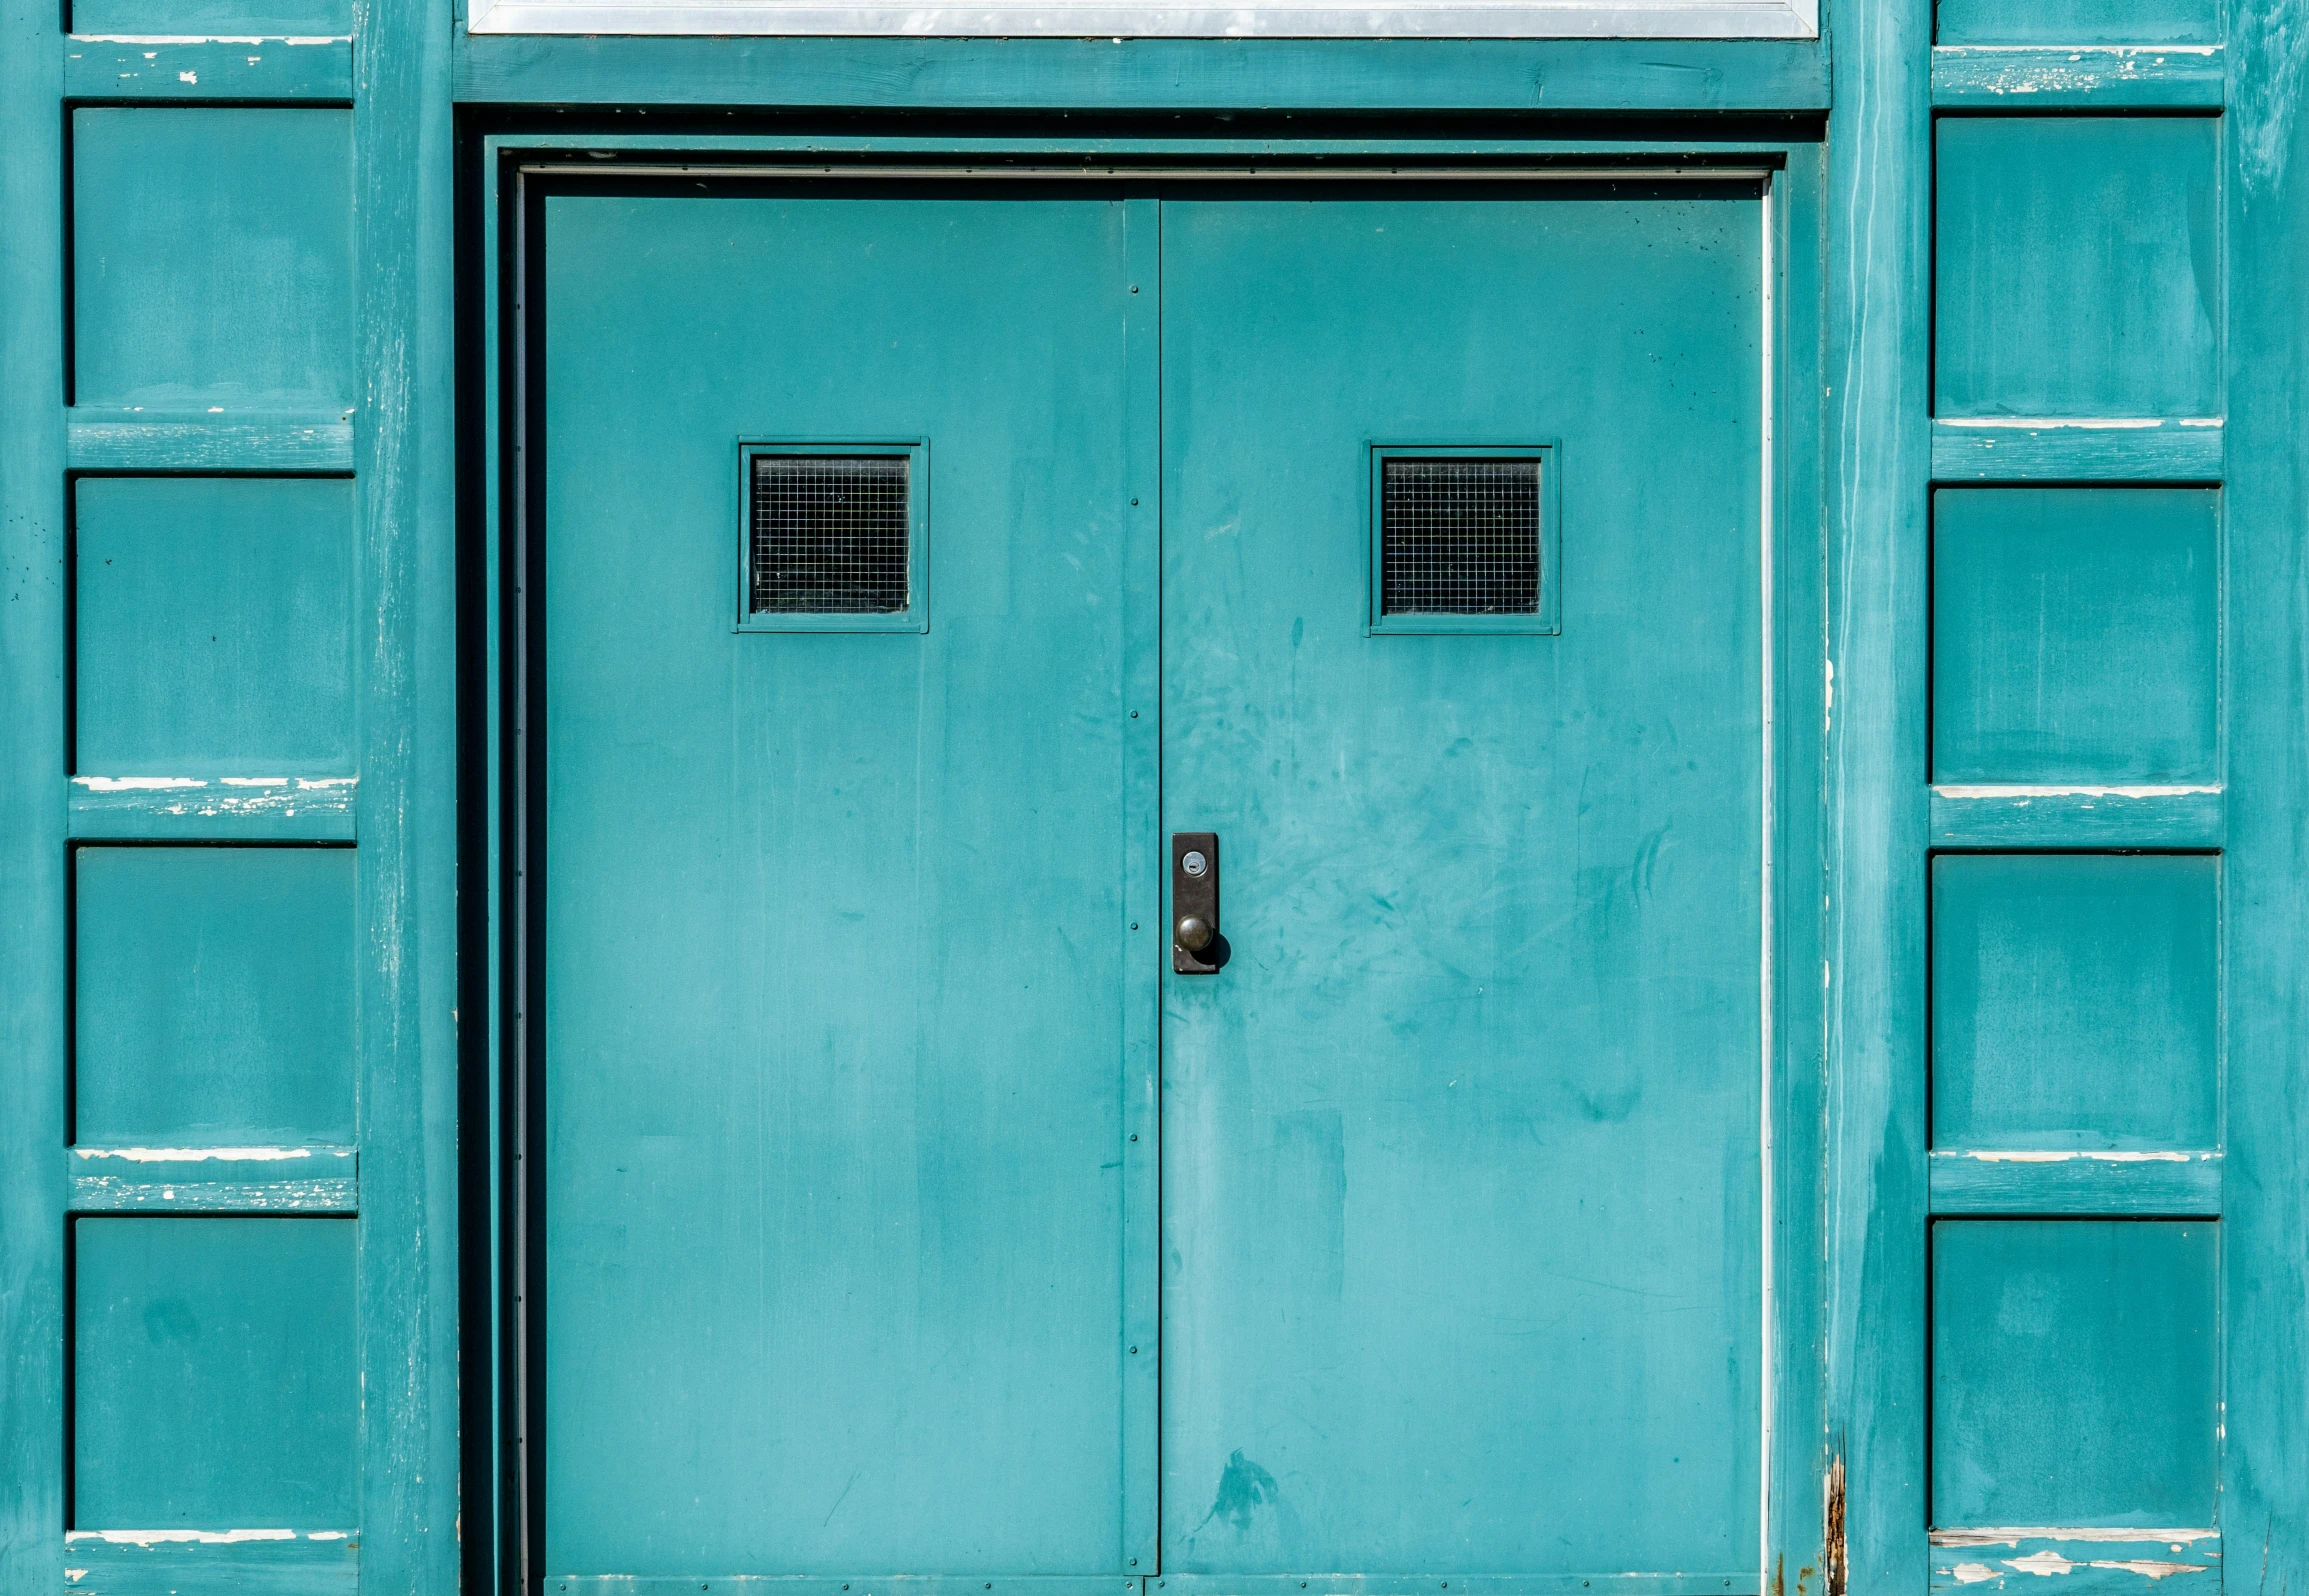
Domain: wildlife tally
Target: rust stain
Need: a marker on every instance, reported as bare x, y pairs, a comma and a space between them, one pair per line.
1832, 1539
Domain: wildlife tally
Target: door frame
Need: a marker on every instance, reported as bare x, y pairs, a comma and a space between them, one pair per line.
502, 1423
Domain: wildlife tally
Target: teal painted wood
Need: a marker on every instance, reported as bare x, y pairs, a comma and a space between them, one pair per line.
211, 1180
2148, 1185
401, 198
892, 1336
2064, 22
2045, 76
1446, 1049
2076, 1001
1795, 1498
2113, 1562
246, 68
2265, 1253
1733, 1583
1742, 1583
2076, 636
270, 18
318, 1563
214, 995
212, 627
260, 318
214, 1374
109, 441
1878, 312
34, 880
2055, 451
213, 809
2075, 1372
1351, 75
2078, 817
2078, 266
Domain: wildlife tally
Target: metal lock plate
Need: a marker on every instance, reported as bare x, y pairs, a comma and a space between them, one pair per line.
1196, 946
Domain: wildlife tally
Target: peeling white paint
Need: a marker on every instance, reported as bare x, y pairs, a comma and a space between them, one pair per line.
2000, 1535
1972, 1573
208, 38
177, 1537
2075, 52
2151, 1569
2043, 1564
223, 795
137, 783
188, 77
2076, 423
2010, 792
202, 1155
2160, 1156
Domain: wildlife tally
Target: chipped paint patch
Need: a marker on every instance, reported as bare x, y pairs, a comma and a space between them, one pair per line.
2060, 423
2044, 1564
137, 783
2102, 1156
202, 1155
209, 38
176, 1537
2002, 1536
2021, 792
1972, 1573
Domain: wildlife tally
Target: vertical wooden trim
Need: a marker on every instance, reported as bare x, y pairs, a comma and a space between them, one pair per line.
1793, 1463
32, 787
2265, 1243
1879, 316
404, 460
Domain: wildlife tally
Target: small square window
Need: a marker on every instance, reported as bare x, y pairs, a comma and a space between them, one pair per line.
1462, 539
833, 538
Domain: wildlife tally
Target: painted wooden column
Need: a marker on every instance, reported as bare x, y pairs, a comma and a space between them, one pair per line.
32, 854
1879, 325
405, 463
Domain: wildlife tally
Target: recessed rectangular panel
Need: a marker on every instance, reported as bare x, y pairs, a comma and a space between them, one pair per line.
213, 989
2076, 635
2079, 22
2075, 1001
2074, 1372
214, 1376
212, 259
213, 626
2077, 266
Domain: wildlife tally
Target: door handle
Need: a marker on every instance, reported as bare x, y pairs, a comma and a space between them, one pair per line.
1196, 946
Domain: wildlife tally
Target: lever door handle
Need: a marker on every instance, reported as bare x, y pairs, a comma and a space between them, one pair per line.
1196, 946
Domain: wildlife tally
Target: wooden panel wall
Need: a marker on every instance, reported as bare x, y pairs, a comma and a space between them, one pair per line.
227, 1214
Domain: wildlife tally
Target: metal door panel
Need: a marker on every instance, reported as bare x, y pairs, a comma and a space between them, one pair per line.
1463, 1163
832, 933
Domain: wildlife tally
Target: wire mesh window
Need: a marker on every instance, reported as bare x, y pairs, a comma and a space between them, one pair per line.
1459, 537
830, 534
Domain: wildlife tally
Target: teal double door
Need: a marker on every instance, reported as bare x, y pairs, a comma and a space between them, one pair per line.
912, 561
